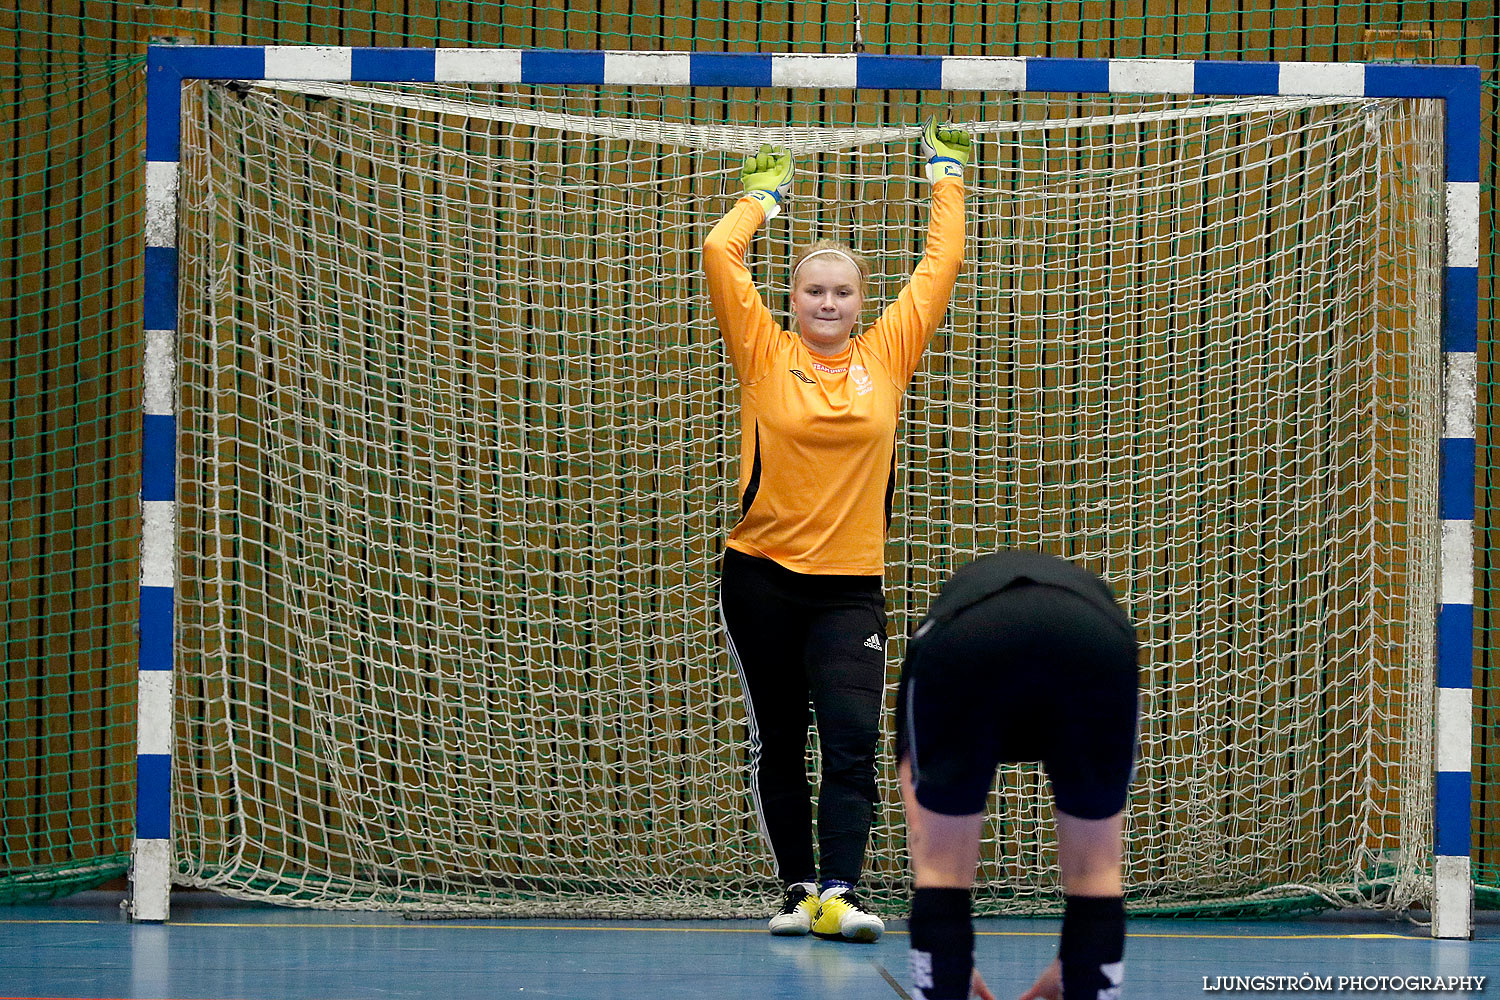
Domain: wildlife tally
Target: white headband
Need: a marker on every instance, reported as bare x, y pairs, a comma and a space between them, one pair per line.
822, 250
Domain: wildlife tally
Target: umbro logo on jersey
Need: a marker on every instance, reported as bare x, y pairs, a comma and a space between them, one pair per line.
802, 377
874, 642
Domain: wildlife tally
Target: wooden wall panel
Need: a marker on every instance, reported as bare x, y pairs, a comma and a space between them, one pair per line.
1479, 42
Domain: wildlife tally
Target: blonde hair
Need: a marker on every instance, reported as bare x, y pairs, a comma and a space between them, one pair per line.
832, 248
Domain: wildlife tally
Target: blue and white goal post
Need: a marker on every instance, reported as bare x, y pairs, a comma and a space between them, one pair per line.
1458, 87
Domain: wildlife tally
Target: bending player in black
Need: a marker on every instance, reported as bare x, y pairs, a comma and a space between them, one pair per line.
1022, 657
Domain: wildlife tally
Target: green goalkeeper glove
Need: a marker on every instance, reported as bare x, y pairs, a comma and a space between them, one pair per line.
946, 149
767, 174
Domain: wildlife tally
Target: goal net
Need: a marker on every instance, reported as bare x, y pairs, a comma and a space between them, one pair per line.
457, 457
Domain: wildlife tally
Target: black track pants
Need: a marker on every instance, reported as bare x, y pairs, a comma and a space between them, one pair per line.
798, 638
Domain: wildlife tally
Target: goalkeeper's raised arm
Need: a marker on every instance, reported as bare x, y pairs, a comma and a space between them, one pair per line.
744, 321
800, 593
906, 327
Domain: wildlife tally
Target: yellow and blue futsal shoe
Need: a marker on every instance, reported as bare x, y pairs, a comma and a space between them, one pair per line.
799, 908
842, 916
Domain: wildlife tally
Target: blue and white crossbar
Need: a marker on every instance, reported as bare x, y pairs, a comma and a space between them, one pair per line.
1457, 86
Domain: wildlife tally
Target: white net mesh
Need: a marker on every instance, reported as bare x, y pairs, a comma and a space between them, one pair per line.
457, 459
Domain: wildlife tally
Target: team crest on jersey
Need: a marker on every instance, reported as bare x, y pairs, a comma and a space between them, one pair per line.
863, 385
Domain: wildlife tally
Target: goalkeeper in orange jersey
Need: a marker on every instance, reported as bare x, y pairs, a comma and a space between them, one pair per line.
800, 591
1022, 657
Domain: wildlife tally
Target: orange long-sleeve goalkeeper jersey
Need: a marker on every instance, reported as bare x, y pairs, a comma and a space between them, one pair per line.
818, 434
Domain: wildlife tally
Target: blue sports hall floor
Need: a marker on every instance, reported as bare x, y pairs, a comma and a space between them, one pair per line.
218, 949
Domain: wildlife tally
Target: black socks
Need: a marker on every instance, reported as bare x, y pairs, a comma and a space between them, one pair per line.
942, 944
1093, 947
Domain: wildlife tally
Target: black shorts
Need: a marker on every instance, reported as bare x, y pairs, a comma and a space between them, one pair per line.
1031, 672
